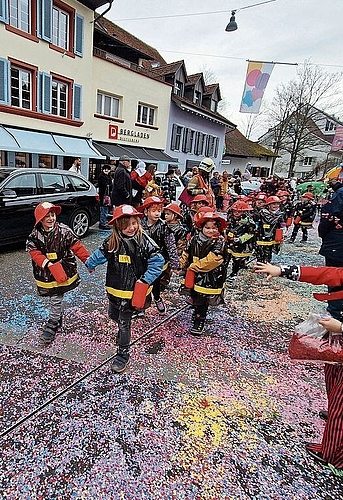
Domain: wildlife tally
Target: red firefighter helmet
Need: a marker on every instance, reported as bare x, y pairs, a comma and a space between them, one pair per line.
283, 193
174, 207
308, 195
261, 196
124, 211
272, 199
44, 208
240, 206
202, 217
151, 200
200, 197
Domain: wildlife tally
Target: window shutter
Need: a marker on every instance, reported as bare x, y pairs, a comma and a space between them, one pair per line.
4, 81
77, 102
173, 139
44, 92
79, 24
46, 20
3, 11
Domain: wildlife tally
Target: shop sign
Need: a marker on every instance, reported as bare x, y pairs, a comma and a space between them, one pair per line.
125, 134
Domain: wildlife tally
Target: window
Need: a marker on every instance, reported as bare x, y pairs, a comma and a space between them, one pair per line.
329, 126
23, 185
52, 183
59, 98
210, 145
197, 97
178, 88
79, 184
145, 114
214, 105
21, 88
107, 105
188, 140
60, 28
308, 161
176, 137
19, 11
199, 143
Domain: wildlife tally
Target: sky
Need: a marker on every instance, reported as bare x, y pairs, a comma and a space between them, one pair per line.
289, 31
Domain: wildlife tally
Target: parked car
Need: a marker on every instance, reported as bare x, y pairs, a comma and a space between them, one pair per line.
22, 189
249, 186
179, 186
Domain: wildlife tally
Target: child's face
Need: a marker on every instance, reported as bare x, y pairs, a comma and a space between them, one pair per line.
198, 204
170, 216
283, 198
238, 214
132, 227
273, 207
259, 203
154, 213
49, 221
210, 229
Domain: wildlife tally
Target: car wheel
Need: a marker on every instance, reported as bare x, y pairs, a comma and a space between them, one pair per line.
80, 223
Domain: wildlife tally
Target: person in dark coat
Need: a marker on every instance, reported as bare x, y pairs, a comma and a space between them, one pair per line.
105, 188
122, 184
330, 230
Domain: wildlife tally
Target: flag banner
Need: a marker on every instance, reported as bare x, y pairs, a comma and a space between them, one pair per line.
258, 74
337, 143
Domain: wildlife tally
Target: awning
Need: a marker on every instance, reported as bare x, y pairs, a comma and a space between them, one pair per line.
114, 151
30, 141
76, 146
7, 140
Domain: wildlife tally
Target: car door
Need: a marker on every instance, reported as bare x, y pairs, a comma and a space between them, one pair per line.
18, 199
56, 188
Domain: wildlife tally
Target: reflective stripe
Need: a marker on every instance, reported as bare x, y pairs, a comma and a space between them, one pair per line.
51, 256
267, 243
236, 254
305, 223
165, 266
207, 291
123, 294
54, 284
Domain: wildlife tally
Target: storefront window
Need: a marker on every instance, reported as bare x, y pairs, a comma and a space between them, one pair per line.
45, 161
21, 160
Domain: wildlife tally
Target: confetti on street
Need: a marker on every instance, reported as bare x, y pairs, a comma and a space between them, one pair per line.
221, 417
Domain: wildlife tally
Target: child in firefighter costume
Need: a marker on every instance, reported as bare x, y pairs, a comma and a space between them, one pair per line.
240, 236
304, 215
52, 247
173, 218
160, 233
205, 260
133, 261
269, 232
330, 451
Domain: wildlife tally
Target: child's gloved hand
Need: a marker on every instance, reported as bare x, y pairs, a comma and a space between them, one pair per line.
58, 272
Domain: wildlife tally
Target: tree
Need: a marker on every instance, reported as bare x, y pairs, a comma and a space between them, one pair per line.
295, 110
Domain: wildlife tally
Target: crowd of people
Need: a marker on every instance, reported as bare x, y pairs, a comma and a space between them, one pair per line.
153, 236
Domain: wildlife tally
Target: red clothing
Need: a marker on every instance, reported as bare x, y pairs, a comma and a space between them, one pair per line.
332, 443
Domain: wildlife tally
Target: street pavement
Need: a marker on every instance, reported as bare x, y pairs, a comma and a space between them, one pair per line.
220, 417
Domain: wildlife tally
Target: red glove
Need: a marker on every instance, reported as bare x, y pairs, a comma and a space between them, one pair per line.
58, 272
139, 294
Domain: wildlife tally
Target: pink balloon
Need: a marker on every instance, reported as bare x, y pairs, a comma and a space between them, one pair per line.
252, 77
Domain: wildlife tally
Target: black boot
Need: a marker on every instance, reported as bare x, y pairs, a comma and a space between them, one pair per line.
198, 325
49, 331
120, 360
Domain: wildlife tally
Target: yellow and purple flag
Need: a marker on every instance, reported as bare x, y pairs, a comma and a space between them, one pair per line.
258, 74
337, 143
